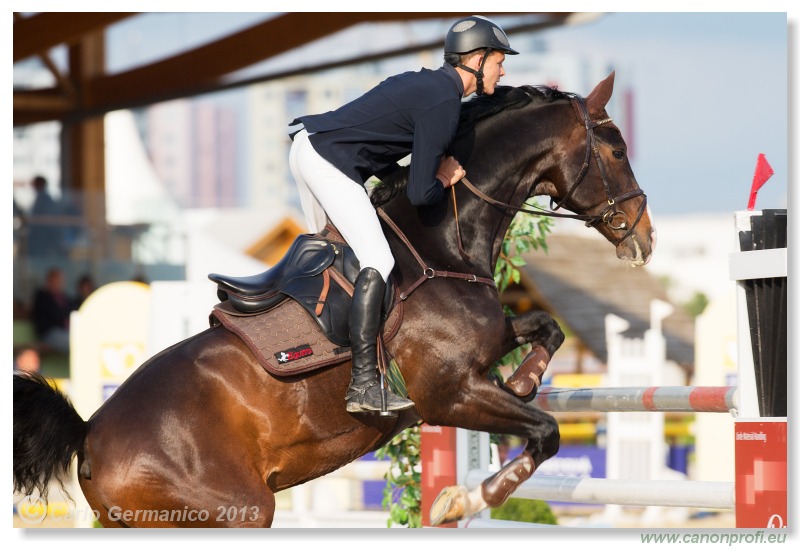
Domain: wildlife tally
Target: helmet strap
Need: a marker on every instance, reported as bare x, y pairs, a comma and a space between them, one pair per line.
479, 73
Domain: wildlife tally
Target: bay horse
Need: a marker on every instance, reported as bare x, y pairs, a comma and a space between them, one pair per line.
202, 427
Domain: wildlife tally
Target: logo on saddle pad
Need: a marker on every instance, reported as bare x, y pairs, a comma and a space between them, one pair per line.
289, 355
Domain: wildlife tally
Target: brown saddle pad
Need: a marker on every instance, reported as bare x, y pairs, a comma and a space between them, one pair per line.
286, 340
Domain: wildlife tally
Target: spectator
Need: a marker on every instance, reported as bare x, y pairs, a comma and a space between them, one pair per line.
85, 287
51, 309
44, 237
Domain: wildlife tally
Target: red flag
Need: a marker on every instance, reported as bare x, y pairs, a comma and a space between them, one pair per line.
763, 173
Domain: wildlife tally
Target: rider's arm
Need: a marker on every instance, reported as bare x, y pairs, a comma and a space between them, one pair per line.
433, 132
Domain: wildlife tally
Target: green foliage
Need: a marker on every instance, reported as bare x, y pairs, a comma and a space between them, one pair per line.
532, 511
697, 304
402, 493
526, 232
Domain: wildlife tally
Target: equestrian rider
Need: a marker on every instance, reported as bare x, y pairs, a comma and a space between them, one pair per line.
335, 153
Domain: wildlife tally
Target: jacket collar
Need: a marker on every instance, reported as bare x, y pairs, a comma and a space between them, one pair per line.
451, 72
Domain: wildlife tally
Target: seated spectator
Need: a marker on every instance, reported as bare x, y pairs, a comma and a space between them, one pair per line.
50, 315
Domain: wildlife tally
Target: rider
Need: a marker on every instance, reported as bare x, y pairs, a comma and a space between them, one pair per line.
335, 153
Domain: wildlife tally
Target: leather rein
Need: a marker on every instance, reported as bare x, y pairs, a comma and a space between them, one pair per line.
609, 215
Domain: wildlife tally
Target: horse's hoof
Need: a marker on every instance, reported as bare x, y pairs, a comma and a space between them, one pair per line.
450, 505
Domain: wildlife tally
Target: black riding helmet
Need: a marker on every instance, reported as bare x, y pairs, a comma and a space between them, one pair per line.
474, 33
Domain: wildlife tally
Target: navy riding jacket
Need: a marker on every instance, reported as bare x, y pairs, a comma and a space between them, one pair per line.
413, 112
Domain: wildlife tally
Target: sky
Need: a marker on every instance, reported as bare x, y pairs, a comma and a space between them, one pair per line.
711, 95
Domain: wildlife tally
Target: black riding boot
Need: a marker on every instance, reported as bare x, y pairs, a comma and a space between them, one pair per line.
364, 393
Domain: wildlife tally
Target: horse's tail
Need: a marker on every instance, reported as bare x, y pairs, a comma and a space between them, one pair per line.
48, 432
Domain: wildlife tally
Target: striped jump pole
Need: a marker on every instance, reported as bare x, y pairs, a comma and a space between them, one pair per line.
625, 492
712, 399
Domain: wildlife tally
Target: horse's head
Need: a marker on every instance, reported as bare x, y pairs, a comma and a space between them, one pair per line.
597, 179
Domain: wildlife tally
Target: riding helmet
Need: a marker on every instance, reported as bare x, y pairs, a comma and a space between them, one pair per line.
476, 32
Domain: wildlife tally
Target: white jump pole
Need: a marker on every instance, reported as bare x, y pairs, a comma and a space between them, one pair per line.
633, 492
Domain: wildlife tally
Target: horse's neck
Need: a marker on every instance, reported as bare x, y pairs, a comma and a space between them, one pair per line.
433, 230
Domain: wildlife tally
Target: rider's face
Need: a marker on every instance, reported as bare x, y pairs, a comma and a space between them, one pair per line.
492, 71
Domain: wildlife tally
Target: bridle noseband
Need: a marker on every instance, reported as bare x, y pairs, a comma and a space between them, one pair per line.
611, 215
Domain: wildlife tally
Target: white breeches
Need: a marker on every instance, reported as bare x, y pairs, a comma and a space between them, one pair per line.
325, 191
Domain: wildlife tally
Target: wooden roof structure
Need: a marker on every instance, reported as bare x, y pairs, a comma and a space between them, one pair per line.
579, 280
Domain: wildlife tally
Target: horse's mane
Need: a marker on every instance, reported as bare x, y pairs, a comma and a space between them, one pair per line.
505, 98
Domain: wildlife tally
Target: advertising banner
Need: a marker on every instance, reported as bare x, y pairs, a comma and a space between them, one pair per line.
761, 473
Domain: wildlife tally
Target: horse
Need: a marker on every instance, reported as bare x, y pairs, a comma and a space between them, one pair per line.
202, 427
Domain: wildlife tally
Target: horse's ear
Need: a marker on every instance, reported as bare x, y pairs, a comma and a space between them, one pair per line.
597, 100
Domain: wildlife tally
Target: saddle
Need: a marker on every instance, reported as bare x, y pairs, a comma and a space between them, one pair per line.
294, 316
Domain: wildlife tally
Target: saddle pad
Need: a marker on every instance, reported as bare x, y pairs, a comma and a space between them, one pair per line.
286, 340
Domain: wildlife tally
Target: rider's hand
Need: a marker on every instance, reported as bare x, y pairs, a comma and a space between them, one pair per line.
450, 172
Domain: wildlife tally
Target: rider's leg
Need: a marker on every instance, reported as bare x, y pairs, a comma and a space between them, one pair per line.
312, 210
364, 393
350, 210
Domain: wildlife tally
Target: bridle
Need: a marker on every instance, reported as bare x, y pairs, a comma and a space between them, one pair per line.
615, 219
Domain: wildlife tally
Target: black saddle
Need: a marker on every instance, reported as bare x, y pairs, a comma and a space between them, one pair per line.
316, 272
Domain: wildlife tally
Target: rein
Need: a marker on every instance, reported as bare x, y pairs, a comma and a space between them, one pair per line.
609, 215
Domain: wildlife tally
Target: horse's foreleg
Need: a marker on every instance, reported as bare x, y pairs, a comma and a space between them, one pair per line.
533, 327
541, 330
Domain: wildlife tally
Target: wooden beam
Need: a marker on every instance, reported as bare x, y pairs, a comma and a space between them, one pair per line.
208, 63
83, 146
51, 100
38, 33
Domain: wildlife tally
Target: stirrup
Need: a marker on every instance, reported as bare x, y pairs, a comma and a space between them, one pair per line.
385, 403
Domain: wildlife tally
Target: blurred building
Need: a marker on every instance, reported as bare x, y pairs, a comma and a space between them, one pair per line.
192, 145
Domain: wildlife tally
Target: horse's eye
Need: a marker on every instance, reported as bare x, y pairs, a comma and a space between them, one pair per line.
619, 154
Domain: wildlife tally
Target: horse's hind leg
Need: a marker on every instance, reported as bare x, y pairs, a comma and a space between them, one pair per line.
255, 508
232, 498
225, 500
485, 407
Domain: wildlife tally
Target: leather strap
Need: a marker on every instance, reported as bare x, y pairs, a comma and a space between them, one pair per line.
326, 285
428, 272
341, 280
458, 227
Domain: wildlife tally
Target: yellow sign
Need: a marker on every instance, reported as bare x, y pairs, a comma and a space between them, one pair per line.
108, 341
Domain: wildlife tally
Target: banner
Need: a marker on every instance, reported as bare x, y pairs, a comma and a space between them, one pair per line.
761, 473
